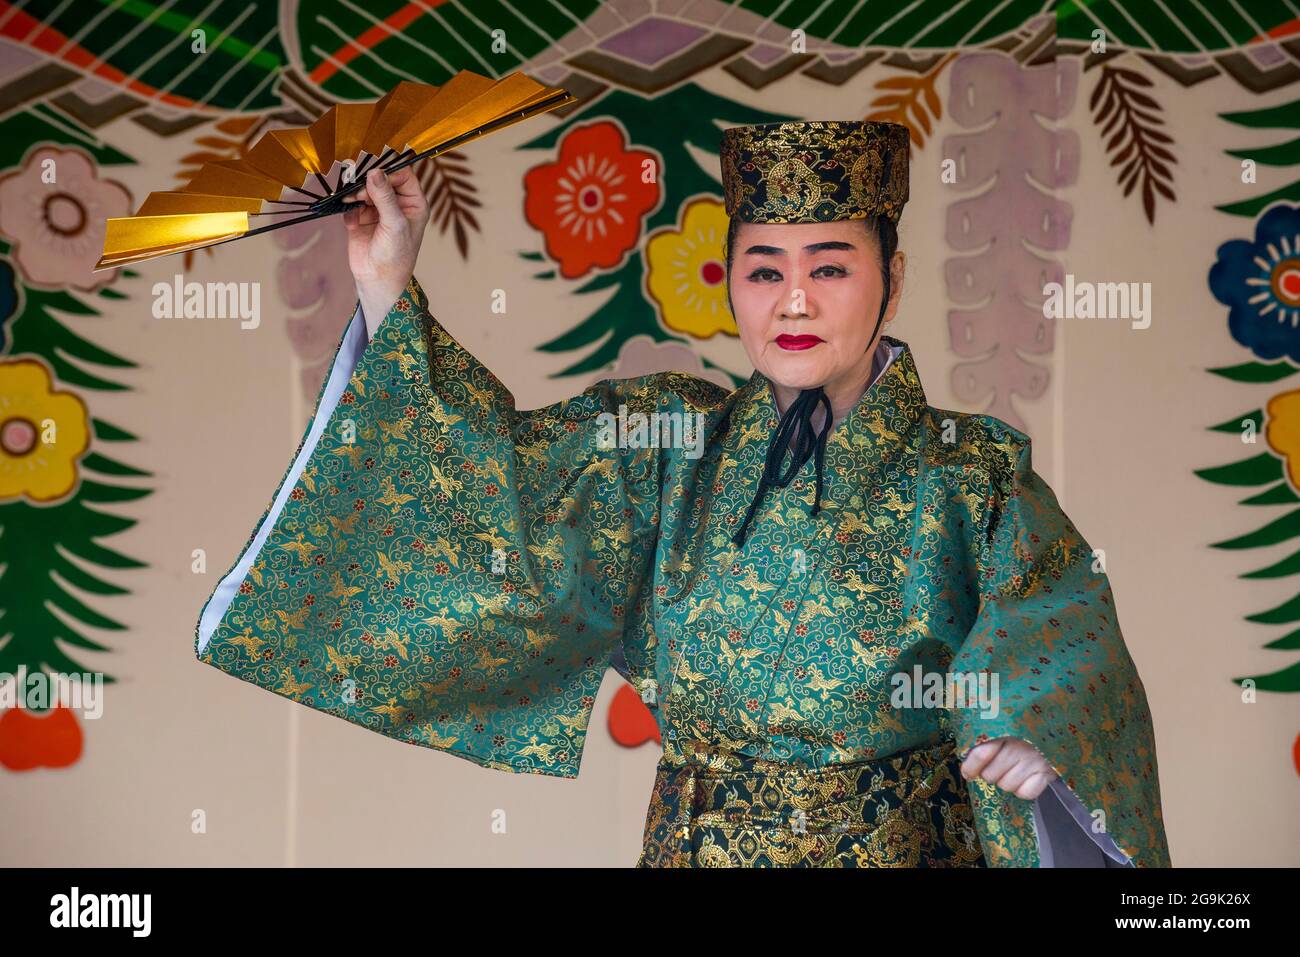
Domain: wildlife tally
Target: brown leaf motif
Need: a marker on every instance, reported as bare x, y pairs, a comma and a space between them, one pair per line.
911, 100
451, 191
1129, 117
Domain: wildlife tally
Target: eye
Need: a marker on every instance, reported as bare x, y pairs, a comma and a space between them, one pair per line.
829, 270
757, 274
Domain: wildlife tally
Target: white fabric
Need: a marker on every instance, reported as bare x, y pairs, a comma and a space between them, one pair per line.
887, 353
1065, 834
354, 345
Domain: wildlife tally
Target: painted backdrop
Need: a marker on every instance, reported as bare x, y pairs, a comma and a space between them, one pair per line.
1104, 251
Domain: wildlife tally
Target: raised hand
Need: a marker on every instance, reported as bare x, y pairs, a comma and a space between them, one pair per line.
385, 230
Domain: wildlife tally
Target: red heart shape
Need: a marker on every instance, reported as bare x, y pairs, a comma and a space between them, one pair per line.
630, 721
27, 741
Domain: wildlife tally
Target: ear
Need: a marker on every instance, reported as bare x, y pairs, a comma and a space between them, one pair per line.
897, 269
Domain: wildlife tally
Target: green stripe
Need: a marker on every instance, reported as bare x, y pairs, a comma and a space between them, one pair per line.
179, 24
1255, 371
917, 22
1257, 470
1279, 494
1169, 24
1279, 530
1286, 680
521, 37
862, 25
1268, 13
548, 18
1072, 20
1233, 425
470, 34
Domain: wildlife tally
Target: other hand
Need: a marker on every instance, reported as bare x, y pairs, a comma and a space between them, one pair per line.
1011, 764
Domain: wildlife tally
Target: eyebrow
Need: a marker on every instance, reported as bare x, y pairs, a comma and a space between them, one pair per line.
812, 248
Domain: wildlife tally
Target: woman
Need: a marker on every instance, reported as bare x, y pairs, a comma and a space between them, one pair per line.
894, 650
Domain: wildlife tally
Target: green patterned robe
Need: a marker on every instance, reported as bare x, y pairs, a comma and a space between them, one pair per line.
445, 569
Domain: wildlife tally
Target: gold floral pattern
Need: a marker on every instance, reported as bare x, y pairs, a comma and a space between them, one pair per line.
815, 171
459, 575
908, 810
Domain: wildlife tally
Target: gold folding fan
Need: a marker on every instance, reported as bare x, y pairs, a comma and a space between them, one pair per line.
302, 173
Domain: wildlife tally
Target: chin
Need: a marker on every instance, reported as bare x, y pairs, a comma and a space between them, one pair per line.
798, 371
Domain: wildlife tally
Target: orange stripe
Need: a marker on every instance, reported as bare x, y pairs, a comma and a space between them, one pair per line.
1279, 31
18, 25
372, 38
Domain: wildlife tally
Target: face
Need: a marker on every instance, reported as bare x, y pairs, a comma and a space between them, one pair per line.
806, 298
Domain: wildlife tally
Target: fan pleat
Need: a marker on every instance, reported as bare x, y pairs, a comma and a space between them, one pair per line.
300, 173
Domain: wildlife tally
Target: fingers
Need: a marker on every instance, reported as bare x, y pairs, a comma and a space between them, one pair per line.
362, 216
410, 195
979, 757
406, 184
1035, 785
405, 187
1007, 758
359, 216
1010, 764
380, 191
1018, 775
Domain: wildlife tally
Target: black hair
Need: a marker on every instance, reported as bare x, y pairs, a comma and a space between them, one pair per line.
885, 230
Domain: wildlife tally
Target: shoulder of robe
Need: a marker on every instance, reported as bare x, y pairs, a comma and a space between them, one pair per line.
693, 392
968, 440
677, 390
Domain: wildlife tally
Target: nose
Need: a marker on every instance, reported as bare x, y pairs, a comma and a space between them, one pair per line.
797, 303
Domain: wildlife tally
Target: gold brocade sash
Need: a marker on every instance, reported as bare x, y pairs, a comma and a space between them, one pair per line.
908, 809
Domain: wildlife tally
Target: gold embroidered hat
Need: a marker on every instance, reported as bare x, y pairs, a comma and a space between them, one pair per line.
815, 171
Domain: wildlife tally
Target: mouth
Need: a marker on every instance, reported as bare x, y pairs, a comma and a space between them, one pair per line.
795, 343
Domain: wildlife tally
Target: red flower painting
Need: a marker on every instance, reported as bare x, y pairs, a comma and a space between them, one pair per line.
590, 202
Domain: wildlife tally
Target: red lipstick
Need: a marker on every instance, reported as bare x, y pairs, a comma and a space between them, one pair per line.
798, 342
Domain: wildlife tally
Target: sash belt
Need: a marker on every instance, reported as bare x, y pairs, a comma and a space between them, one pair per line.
909, 809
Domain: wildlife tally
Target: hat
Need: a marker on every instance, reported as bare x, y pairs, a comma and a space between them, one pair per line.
815, 171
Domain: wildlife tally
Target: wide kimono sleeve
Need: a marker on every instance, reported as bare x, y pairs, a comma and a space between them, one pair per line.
1047, 635
438, 566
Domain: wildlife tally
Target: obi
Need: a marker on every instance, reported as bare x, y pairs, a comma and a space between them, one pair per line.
909, 809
